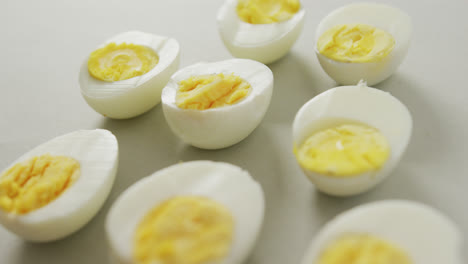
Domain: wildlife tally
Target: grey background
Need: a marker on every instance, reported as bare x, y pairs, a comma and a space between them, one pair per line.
43, 44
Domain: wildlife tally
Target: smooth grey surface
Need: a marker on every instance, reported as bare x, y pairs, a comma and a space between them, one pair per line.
43, 44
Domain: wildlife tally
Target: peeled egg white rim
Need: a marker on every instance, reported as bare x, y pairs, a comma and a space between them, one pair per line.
364, 13
304, 125
378, 219
166, 48
227, 184
66, 203
257, 74
244, 34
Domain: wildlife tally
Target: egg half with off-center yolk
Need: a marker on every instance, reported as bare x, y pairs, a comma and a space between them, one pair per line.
198, 212
349, 138
125, 75
56, 188
362, 41
216, 105
261, 30
393, 231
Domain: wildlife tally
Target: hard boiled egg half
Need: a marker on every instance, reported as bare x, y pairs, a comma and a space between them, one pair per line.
198, 212
349, 138
261, 30
125, 75
215, 105
393, 231
56, 188
363, 41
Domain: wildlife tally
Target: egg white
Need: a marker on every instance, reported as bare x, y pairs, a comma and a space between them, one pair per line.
223, 126
388, 18
265, 43
359, 104
224, 183
97, 153
134, 96
427, 235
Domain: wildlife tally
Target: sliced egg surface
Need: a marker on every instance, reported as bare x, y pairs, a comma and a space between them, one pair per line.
392, 231
216, 105
56, 188
264, 33
125, 75
192, 212
349, 138
376, 36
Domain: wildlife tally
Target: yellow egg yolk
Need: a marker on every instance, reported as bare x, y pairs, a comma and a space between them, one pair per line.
267, 11
211, 91
121, 62
355, 43
362, 249
184, 230
33, 184
344, 150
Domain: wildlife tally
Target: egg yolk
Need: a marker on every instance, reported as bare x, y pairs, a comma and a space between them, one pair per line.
355, 43
121, 62
211, 91
363, 249
344, 150
33, 184
267, 11
186, 229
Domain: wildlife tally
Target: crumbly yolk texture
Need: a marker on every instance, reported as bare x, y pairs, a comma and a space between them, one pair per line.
355, 43
363, 249
343, 151
267, 11
184, 230
33, 184
211, 91
121, 62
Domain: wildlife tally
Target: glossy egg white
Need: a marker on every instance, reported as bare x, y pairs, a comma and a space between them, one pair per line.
134, 96
224, 183
97, 153
424, 233
390, 19
223, 126
265, 43
360, 104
